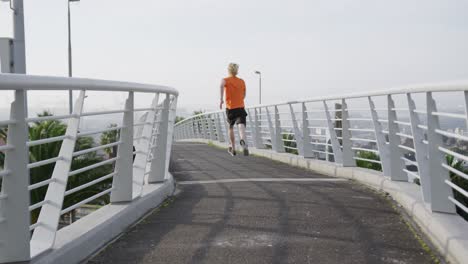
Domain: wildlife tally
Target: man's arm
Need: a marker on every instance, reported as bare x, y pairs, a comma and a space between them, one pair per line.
221, 92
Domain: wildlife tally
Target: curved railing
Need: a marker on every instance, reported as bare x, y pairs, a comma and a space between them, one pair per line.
415, 133
53, 166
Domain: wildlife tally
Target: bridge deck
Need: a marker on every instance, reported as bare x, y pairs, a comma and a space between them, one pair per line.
217, 220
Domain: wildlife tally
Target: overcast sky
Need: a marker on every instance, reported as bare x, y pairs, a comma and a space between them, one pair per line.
304, 48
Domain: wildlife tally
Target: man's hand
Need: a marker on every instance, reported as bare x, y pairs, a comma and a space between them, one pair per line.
221, 104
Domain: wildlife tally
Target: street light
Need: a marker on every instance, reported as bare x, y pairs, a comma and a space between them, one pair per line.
259, 86
70, 69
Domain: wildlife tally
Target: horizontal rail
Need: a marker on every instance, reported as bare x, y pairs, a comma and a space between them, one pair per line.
51, 117
90, 167
103, 112
366, 149
368, 160
91, 183
457, 188
81, 152
457, 172
6, 148
45, 141
94, 197
41, 83
7, 123
40, 184
87, 133
412, 173
452, 115
43, 162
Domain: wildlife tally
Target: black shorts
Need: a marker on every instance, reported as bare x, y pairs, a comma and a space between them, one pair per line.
236, 116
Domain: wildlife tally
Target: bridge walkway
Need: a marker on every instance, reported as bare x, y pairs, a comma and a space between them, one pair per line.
253, 210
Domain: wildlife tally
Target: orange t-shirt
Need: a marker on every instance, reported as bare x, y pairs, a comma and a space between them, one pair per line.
234, 90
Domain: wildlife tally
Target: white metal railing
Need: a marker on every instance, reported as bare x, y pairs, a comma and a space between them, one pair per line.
387, 130
143, 149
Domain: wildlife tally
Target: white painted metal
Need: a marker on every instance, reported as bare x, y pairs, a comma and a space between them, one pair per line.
382, 146
14, 230
439, 191
392, 143
297, 132
337, 151
43, 237
158, 165
396, 164
123, 180
346, 143
14, 194
420, 150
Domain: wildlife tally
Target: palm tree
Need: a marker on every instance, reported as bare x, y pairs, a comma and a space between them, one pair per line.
54, 128
110, 137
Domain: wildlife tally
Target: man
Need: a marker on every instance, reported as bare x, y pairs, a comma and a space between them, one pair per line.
234, 88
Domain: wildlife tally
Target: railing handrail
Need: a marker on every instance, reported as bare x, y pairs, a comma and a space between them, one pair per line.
414, 88
32, 82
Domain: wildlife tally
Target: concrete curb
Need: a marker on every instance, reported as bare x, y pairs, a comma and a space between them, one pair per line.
448, 233
77, 242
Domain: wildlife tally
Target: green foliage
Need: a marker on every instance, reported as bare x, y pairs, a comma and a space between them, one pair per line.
197, 112
460, 182
368, 164
55, 128
178, 119
291, 144
110, 137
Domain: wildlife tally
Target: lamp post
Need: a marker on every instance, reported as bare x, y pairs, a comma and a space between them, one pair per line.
259, 86
19, 51
70, 62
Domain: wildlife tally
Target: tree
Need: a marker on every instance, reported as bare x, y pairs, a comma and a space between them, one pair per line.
111, 137
459, 181
178, 119
54, 128
368, 164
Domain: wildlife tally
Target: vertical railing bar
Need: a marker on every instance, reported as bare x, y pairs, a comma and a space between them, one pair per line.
382, 146
348, 154
440, 191
338, 154
43, 237
122, 182
396, 163
14, 211
421, 150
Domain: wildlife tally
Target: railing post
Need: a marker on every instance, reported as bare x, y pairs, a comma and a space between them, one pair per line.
348, 154
297, 132
421, 150
158, 163
226, 127
306, 139
272, 131
278, 132
143, 150
44, 235
396, 163
255, 127
440, 191
203, 126
382, 146
122, 182
210, 127
14, 208
172, 115
337, 152
219, 129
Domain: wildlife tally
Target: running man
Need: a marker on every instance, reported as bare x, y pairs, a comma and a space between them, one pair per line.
234, 88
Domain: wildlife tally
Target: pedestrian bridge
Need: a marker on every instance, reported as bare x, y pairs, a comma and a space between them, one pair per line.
376, 177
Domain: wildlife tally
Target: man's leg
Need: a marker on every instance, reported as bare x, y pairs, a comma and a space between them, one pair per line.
242, 131
232, 138
243, 142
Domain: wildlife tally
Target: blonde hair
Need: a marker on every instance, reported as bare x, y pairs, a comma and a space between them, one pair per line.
233, 68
